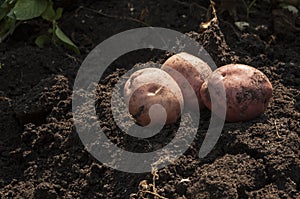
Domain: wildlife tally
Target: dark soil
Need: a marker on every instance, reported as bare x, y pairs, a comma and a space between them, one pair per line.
41, 155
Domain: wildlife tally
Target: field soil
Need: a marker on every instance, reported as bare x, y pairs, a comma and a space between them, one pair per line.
42, 156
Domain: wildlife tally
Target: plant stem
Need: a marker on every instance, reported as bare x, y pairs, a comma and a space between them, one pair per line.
248, 7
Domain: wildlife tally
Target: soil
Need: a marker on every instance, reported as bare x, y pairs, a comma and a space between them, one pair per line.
41, 155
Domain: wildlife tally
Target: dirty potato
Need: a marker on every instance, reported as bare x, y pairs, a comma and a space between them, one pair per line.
148, 87
194, 72
248, 91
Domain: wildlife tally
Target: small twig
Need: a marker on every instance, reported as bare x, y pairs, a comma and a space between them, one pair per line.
276, 128
212, 9
153, 181
3, 98
154, 173
251, 4
72, 57
213, 12
153, 186
155, 194
248, 7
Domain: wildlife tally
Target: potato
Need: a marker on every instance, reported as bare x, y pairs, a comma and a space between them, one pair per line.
248, 91
194, 71
150, 86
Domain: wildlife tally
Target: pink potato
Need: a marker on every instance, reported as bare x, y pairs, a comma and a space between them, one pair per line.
194, 71
248, 91
148, 87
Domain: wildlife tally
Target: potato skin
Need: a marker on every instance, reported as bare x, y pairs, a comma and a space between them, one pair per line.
248, 91
150, 86
194, 70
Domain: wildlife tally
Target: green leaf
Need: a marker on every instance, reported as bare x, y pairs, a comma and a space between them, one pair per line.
28, 9
12, 25
49, 13
58, 14
41, 40
4, 4
7, 27
65, 39
3, 12
5, 9
50, 30
7, 3
290, 8
11, 14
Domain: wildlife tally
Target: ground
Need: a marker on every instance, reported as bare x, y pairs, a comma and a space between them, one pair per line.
41, 155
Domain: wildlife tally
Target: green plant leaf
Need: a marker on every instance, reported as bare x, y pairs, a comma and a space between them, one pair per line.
290, 8
5, 9
28, 9
12, 25
41, 40
7, 25
65, 39
50, 30
11, 14
4, 4
3, 12
58, 14
7, 3
49, 13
